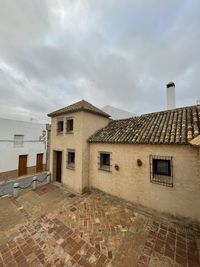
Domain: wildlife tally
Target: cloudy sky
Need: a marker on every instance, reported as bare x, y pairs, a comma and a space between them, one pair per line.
116, 52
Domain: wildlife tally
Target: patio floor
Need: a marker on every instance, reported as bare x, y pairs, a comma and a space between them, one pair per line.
52, 227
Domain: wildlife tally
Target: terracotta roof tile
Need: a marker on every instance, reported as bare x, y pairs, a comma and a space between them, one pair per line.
177, 126
79, 106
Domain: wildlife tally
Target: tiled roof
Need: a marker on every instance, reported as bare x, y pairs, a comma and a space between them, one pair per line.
177, 126
79, 106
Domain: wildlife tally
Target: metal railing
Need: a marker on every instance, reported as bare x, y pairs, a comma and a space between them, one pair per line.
17, 187
33, 183
35, 179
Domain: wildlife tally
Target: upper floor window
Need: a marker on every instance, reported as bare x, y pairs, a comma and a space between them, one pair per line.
60, 127
70, 125
18, 140
105, 160
161, 170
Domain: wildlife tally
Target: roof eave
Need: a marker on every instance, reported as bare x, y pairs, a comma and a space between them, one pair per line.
54, 114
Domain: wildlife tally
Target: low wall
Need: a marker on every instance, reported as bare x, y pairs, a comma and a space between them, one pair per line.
9, 175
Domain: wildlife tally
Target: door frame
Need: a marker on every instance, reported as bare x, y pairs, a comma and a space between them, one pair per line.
54, 164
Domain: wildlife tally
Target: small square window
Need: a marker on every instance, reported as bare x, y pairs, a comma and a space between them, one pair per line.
71, 158
105, 161
60, 126
161, 170
161, 167
70, 125
18, 140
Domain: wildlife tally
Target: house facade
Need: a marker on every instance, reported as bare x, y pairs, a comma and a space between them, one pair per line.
69, 148
22, 151
151, 160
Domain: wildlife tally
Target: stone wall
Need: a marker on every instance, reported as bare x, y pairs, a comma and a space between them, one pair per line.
132, 182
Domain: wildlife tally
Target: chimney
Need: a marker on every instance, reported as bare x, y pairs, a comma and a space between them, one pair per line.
171, 95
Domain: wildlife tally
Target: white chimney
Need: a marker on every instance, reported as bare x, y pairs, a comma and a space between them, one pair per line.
171, 95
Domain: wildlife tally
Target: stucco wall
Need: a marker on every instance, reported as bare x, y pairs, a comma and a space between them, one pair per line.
62, 142
133, 183
90, 124
85, 124
31, 146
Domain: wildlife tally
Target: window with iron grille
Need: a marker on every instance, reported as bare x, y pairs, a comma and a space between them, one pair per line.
70, 125
104, 161
60, 127
161, 170
71, 158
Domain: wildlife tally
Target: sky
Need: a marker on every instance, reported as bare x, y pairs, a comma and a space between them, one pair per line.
108, 52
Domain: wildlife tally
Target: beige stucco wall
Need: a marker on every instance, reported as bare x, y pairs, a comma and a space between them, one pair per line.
85, 124
90, 124
133, 183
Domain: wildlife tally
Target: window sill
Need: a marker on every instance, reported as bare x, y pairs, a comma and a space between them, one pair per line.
59, 133
70, 132
70, 167
105, 170
171, 185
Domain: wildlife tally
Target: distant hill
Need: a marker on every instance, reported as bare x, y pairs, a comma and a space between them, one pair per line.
116, 113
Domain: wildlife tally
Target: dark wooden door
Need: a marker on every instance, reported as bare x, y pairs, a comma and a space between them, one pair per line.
22, 166
39, 163
58, 166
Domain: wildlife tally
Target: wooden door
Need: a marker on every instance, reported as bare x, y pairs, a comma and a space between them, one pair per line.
22, 166
58, 166
39, 163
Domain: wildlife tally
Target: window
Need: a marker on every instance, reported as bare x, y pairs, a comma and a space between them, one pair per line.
161, 170
70, 125
105, 159
60, 126
161, 167
71, 158
18, 140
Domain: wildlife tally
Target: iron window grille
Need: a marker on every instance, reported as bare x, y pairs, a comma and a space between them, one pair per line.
60, 127
71, 158
70, 125
161, 170
104, 161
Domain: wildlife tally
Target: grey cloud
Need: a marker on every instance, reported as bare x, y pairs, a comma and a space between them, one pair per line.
110, 52
23, 20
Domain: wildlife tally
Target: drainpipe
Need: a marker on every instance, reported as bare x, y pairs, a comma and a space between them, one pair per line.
47, 145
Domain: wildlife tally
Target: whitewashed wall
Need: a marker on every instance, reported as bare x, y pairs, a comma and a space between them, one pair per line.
9, 154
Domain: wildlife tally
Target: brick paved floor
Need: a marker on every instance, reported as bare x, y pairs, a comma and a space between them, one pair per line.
94, 230
41, 190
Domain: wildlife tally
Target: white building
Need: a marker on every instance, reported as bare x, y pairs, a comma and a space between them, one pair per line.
21, 148
117, 114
